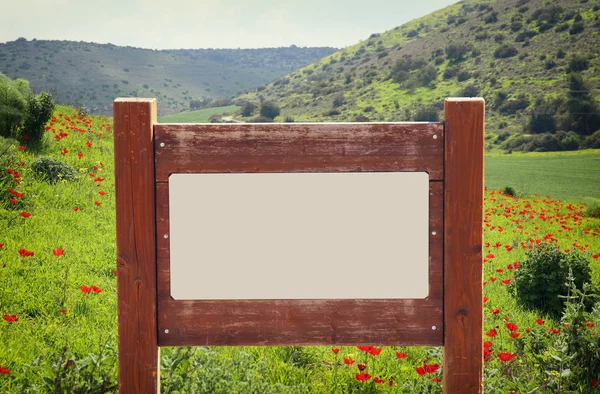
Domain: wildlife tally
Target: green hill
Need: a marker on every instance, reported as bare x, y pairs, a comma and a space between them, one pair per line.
91, 75
517, 54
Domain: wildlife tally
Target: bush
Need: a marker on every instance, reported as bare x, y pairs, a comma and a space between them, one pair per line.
8, 152
456, 51
427, 114
570, 142
542, 278
269, 109
53, 170
510, 191
12, 106
505, 51
39, 112
592, 141
470, 91
262, 119
578, 63
576, 28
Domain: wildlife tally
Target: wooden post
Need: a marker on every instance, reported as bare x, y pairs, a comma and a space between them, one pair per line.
139, 359
463, 217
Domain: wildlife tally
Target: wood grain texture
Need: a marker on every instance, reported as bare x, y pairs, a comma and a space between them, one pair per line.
298, 147
302, 322
136, 245
463, 219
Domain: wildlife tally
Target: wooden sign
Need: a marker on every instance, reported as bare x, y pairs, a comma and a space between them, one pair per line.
203, 209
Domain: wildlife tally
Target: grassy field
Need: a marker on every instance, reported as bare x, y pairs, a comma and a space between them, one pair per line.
568, 176
199, 116
58, 331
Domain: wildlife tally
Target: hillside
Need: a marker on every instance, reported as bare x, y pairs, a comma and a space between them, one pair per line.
92, 75
517, 54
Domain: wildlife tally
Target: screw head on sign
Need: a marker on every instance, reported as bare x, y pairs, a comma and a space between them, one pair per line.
166, 235
162, 144
166, 330
433, 233
433, 328
435, 136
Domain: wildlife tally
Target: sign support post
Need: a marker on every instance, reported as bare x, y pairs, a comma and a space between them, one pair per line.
139, 360
463, 219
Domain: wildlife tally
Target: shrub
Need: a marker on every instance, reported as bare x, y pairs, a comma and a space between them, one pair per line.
53, 170
576, 28
12, 106
470, 91
456, 51
426, 114
592, 141
269, 109
39, 112
262, 119
570, 142
8, 151
505, 51
463, 76
578, 63
508, 190
288, 119
511, 107
450, 72
542, 278
361, 118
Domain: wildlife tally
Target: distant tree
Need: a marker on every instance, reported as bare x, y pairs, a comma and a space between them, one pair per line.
505, 51
248, 108
428, 75
13, 107
541, 118
195, 104
269, 109
338, 100
470, 91
39, 112
581, 106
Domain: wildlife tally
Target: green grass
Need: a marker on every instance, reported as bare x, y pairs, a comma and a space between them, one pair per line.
567, 176
199, 116
48, 351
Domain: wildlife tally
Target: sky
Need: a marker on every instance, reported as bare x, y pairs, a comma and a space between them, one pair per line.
174, 24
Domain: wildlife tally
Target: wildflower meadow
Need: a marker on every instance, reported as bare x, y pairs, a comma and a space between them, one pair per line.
58, 300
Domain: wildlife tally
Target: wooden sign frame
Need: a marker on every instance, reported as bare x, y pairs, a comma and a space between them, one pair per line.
146, 153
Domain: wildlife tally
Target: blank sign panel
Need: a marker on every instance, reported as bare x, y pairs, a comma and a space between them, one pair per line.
299, 235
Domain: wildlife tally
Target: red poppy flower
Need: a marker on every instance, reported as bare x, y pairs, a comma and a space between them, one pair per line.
80, 155
436, 380
487, 344
97, 203
362, 367
505, 281
491, 333
11, 318
85, 289
96, 289
595, 383
102, 193
514, 335
493, 278
589, 324
20, 147
495, 311
401, 355
431, 368
76, 208
349, 361
25, 252
500, 270
391, 383
88, 144
336, 350
378, 381
64, 151
375, 351
363, 376
4, 371
98, 179
539, 321
25, 214
365, 348
528, 329
1, 245
420, 371
12, 200
506, 356
58, 252
115, 272
485, 299
512, 326
554, 330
